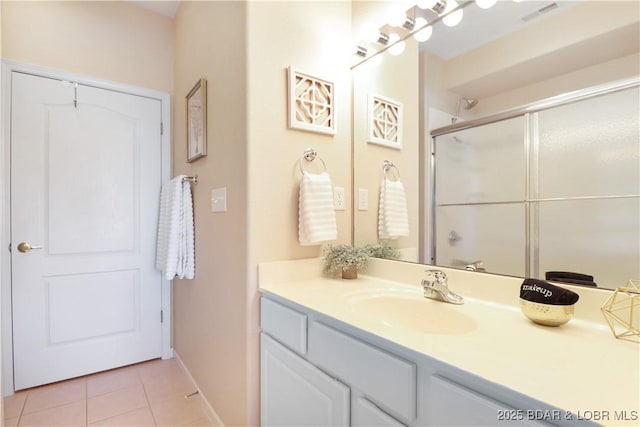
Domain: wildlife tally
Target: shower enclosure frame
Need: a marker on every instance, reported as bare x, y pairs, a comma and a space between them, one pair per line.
526, 111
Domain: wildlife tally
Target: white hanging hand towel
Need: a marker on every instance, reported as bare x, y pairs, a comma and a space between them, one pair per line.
393, 220
316, 215
175, 250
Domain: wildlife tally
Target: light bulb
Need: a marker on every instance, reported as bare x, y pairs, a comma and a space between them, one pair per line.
370, 33
425, 4
397, 16
397, 48
425, 33
452, 19
485, 4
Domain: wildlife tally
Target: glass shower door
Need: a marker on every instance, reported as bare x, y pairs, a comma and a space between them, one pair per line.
480, 209
587, 197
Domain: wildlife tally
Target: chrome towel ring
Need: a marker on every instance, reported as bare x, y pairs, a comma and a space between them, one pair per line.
387, 165
310, 155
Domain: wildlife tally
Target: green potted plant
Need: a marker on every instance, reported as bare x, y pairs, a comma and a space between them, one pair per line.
346, 259
382, 250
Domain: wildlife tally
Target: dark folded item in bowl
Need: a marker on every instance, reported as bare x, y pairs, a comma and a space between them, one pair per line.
571, 278
574, 282
543, 292
557, 275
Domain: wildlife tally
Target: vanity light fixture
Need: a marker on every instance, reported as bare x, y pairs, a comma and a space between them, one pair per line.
440, 6
383, 38
409, 23
361, 51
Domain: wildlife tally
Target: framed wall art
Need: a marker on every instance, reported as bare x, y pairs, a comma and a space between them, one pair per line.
197, 121
311, 103
385, 121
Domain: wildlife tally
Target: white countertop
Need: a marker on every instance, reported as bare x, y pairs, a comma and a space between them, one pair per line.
578, 367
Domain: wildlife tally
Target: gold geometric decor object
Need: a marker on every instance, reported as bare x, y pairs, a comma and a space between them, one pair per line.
622, 311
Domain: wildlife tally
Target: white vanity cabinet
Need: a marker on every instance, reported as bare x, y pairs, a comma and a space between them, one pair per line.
317, 370
293, 392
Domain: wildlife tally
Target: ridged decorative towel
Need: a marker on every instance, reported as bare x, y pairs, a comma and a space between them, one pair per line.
175, 251
316, 216
393, 221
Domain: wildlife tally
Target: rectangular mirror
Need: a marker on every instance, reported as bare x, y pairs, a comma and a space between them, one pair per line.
557, 189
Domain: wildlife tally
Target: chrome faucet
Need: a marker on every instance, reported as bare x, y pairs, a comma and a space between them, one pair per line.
436, 287
475, 266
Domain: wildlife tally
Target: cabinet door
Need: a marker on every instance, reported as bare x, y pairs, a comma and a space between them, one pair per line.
295, 393
366, 414
451, 404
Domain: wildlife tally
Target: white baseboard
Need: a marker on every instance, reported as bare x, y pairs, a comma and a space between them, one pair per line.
204, 403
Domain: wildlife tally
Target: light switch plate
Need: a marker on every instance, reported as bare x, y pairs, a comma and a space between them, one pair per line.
338, 198
219, 200
363, 199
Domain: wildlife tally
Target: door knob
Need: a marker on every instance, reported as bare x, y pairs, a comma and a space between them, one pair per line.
25, 247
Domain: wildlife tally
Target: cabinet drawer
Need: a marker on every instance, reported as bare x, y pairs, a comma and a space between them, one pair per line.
284, 324
451, 404
387, 380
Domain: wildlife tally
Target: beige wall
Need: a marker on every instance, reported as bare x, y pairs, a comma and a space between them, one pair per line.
617, 69
210, 314
394, 77
254, 155
2, 227
108, 40
310, 36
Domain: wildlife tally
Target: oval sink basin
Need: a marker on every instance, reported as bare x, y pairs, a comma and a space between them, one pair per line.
409, 309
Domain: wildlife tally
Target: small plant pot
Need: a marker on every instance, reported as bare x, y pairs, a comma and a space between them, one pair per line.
350, 272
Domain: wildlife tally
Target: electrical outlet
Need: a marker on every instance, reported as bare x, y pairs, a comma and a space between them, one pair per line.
219, 200
338, 198
363, 199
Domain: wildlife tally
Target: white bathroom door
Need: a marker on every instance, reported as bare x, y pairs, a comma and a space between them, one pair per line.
85, 181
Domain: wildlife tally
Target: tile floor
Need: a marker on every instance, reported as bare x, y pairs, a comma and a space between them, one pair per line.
147, 394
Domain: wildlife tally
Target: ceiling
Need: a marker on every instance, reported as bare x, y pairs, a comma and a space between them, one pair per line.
481, 26
163, 7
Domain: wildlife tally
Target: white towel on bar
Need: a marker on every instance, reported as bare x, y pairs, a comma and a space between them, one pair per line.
316, 215
393, 220
175, 251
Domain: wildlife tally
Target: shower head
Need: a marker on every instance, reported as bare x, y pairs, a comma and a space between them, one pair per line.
467, 104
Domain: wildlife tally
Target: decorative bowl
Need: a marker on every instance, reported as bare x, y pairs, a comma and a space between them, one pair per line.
547, 314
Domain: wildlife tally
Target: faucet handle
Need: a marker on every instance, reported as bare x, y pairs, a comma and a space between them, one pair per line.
439, 276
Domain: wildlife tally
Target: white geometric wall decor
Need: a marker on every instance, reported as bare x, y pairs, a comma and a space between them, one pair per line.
311, 105
385, 121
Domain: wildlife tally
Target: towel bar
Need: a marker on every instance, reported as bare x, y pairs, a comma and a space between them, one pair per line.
193, 179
